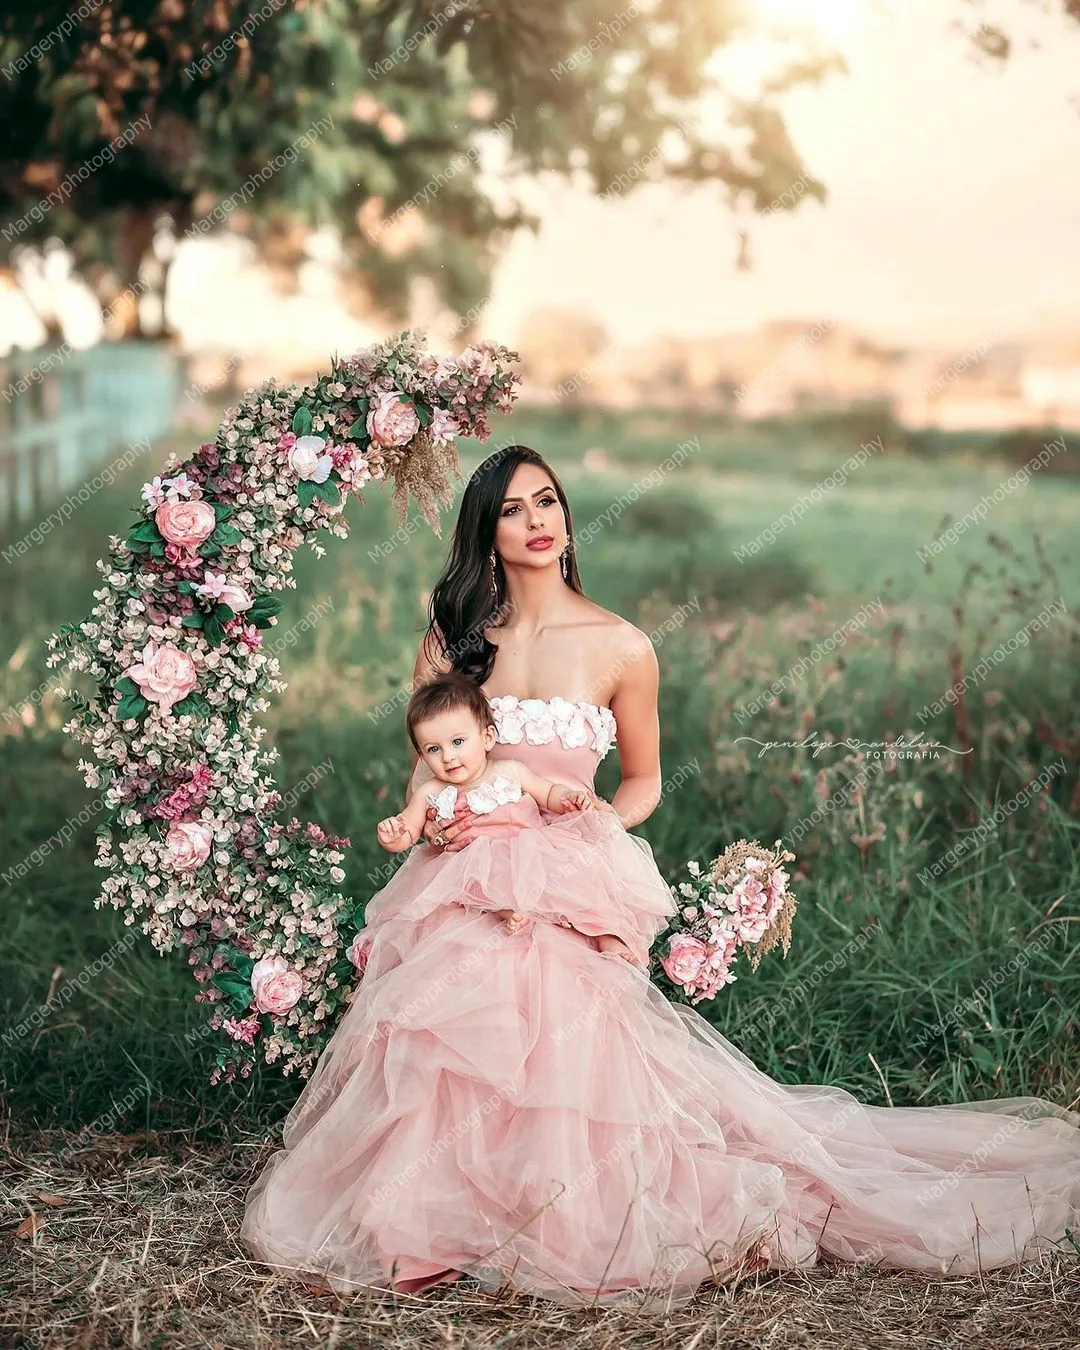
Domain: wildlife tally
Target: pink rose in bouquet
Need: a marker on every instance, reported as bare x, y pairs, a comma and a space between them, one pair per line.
390, 420
165, 675
275, 986
186, 524
686, 955
188, 843
359, 951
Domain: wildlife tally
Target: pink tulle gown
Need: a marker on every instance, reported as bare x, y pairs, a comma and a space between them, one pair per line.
531, 1111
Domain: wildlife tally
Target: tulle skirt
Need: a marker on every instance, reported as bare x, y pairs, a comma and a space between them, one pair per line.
531, 1111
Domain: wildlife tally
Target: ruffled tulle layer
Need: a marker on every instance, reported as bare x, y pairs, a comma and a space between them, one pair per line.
527, 1109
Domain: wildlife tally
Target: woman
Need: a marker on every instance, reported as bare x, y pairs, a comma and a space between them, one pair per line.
525, 1106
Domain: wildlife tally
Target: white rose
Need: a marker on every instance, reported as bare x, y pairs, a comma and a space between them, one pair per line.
306, 459
235, 597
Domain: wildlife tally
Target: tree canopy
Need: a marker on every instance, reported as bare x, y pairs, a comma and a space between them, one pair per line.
273, 117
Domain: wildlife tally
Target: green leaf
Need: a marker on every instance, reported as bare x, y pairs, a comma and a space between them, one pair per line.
223, 613
133, 705
222, 511
192, 620
306, 492
264, 607
184, 587
358, 431
244, 964
213, 631
227, 534
301, 422
328, 492
194, 704
424, 413
147, 532
157, 549
208, 549
126, 685
237, 988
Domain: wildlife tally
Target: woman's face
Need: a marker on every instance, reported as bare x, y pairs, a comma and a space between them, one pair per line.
530, 513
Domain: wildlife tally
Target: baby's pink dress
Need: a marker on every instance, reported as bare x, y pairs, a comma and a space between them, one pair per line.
527, 1109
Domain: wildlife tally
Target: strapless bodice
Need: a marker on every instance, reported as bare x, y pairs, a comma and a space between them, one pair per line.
559, 740
540, 721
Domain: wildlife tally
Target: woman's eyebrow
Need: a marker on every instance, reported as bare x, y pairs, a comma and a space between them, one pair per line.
546, 488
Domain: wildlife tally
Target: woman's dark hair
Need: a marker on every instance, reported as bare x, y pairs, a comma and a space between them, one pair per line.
447, 693
462, 603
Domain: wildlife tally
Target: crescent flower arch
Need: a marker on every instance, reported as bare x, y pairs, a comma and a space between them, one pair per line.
192, 843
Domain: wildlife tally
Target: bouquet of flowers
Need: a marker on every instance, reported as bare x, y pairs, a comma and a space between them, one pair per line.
180, 646
742, 902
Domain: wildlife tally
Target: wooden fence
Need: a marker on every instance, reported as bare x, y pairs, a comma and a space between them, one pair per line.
64, 414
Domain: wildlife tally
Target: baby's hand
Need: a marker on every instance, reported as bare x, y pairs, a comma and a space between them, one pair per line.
392, 834
515, 921
564, 799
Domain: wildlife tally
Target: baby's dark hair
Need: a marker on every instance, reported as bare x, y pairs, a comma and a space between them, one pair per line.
447, 693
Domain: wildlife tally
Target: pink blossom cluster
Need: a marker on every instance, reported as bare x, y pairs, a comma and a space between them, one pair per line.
189, 843
719, 917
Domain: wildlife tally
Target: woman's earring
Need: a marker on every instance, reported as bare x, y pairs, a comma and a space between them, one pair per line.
566, 563
494, 583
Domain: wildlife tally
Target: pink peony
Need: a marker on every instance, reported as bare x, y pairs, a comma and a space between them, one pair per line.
165, 675
359, 951
686, 955
275, 987
390, 420
188, 844
185, 523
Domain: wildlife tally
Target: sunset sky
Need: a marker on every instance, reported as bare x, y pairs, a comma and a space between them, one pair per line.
953, 211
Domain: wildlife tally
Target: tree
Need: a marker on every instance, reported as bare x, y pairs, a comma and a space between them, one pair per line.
180, 106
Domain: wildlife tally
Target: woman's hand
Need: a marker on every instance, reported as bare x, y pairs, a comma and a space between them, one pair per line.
454, 832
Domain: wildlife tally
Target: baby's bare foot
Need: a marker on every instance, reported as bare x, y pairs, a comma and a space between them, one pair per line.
610, 943
514, 920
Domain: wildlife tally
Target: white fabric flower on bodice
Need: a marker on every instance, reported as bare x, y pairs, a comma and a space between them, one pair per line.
482, 799
539, 721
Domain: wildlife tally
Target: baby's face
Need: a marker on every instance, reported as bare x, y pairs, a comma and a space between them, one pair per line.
453, 745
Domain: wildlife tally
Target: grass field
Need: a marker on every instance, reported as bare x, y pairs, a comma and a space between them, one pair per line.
962, 982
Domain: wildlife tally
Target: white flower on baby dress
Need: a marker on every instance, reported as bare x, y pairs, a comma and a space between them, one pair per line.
495, 792
444, 801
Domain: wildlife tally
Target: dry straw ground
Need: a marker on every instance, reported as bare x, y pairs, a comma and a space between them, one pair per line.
129, 1240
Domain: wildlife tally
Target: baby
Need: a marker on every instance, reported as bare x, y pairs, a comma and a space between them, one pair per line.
453, 738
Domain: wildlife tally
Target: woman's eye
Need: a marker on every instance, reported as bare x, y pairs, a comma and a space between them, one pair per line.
458, 740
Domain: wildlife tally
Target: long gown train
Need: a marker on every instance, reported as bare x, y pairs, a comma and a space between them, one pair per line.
529, 1110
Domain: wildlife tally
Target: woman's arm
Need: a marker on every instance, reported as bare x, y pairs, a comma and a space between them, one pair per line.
634, 704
